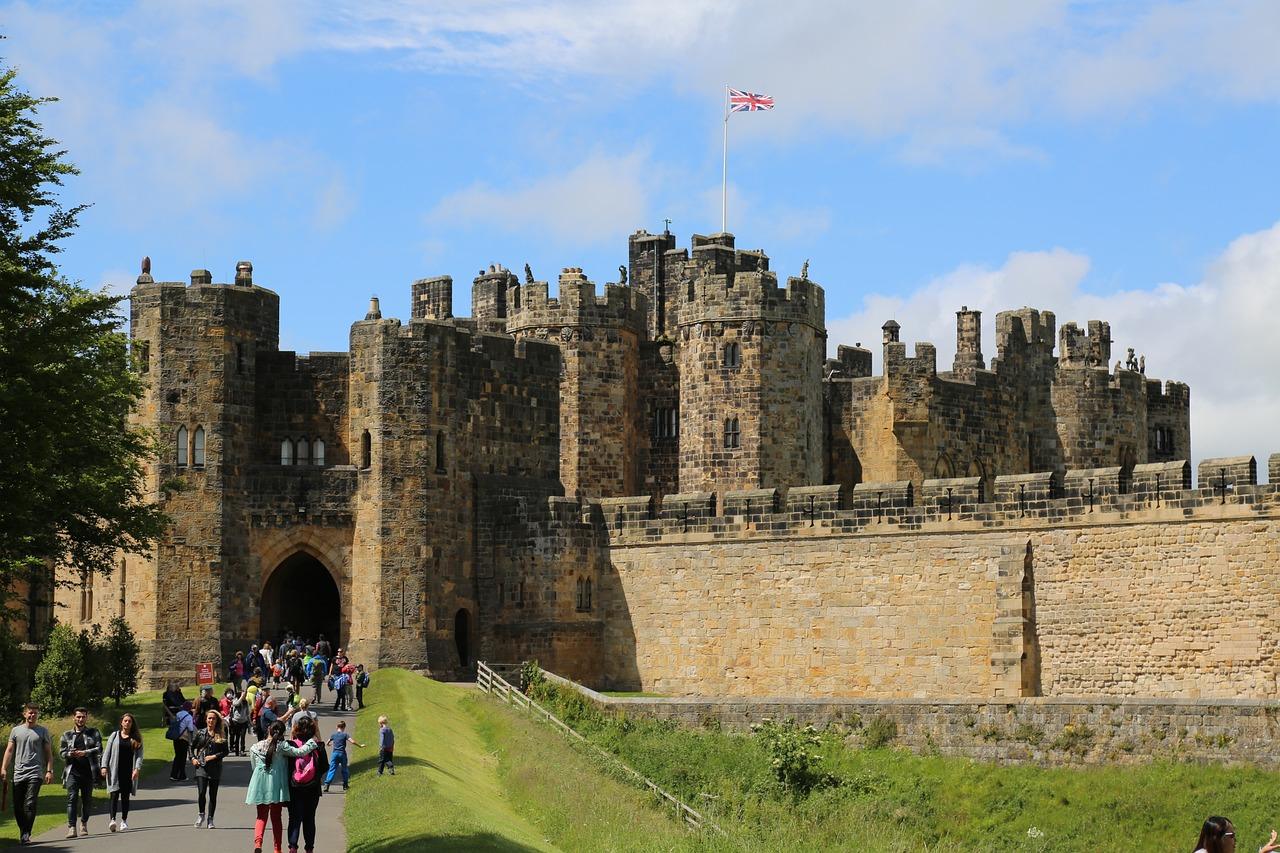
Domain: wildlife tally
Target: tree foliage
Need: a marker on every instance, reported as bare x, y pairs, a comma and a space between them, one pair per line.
121, 659
60, 677
72, 483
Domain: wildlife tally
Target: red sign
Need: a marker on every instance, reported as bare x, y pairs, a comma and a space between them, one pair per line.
204, 673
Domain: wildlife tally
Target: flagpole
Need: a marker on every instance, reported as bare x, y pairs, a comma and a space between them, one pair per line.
724, 172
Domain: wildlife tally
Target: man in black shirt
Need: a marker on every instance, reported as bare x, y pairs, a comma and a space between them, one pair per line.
81, 749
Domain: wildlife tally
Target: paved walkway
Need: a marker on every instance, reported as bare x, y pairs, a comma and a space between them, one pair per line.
161, 816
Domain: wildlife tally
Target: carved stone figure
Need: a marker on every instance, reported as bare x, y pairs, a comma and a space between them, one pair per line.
804, 270
528, 274
146, 265
622, 274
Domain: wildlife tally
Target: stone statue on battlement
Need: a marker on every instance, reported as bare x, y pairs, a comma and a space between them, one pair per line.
622, 274
146, 265
1142, 365
1131, 360
528, 274
804, 270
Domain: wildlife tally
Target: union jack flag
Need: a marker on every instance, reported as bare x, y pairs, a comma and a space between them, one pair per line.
746, 102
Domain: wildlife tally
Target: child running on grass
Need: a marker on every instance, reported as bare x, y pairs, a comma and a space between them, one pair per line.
386, 746
338, 740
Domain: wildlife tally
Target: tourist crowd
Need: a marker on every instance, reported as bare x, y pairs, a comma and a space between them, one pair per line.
291, 762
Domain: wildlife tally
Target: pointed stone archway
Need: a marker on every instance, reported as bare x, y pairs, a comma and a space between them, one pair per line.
300, 595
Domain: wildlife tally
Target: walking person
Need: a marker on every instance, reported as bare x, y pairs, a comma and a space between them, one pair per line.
269, 785
238, 721
362, 681
237, 672
81, 749
31, 751
180, 731
208, 748
386, 746
171, 701
338, 758
305, 774
121, 764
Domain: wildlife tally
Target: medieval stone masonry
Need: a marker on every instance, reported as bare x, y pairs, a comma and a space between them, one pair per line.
663, 484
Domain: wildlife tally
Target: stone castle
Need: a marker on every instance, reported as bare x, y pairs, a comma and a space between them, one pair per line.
669, 487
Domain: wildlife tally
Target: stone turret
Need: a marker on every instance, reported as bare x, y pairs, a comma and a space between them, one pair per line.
601, 416
750, 357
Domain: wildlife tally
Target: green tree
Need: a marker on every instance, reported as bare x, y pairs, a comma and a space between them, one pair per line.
121, 660
13, 674
60, 677
72, 484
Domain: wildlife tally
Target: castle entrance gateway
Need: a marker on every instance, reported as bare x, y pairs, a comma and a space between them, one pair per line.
301, 596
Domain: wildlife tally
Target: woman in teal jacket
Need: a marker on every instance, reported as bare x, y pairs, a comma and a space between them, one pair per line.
269, 785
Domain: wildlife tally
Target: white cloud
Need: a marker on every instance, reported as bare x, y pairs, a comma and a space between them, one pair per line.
940, 74
1217, 335
595, 201
142, 101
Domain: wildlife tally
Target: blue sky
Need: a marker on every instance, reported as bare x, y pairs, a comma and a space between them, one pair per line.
1108, 160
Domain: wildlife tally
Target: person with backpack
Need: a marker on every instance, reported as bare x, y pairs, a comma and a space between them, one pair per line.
296, 672
305, 774
208, 749
180, 730
269, 784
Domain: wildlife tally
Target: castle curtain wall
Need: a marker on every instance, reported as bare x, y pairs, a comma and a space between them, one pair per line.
1153, 603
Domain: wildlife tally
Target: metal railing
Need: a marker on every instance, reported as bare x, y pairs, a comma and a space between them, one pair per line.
495, 685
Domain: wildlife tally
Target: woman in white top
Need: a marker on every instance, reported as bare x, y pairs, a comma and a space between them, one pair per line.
1218, 835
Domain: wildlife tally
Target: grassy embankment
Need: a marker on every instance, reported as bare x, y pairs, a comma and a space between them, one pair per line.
157, 757
888, 799
474, 775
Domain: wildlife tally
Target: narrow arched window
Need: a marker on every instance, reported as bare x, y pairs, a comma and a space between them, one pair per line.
440, 452
587, 595
366, 450
577, 595
286, 452
732, 355
197, 448
732, 433
304, 451
182, 447
317, 452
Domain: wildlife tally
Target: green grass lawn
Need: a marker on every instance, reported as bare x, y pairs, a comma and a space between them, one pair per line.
472, 774
157, 757
889, 799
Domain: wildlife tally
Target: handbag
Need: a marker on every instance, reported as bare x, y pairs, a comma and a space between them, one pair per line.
175, 729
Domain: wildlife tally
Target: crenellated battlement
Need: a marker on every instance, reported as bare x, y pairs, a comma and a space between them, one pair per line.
1152, 493
530, 305
753, 294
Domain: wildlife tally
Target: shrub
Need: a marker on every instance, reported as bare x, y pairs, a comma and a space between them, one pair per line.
880, 732
120, 647
92, 651
13, 674
60, 677
794, 756
531, 678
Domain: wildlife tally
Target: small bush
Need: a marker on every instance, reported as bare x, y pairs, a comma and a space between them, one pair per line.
120, 647
1028, 733
1075, 738
990, 733
794, 755
880, 732
60, 677
531, 677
